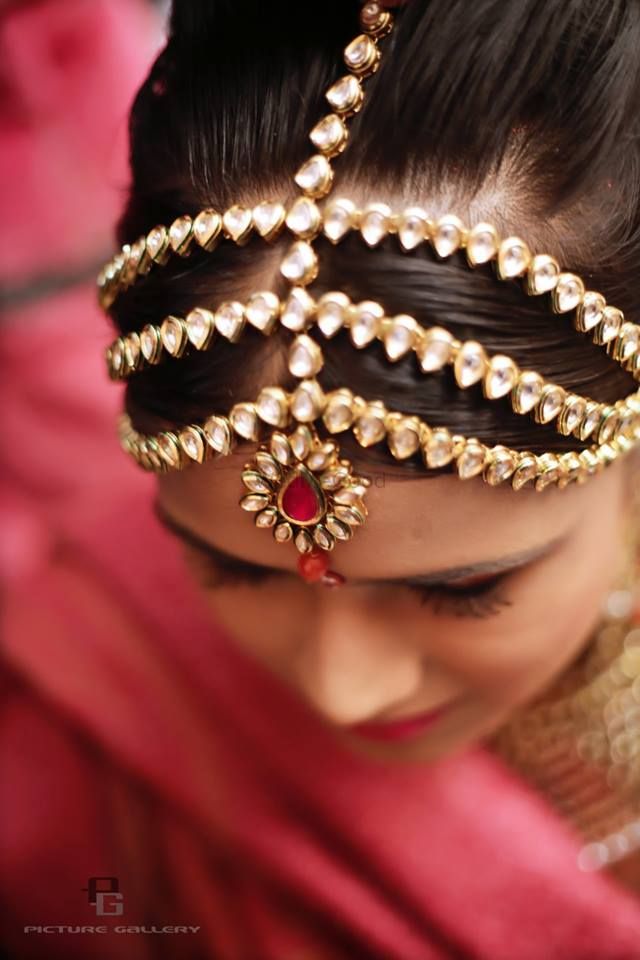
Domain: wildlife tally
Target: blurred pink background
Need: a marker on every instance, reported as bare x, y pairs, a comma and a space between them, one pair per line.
68, 72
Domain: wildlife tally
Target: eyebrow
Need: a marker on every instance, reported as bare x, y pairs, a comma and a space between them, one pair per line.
433, 578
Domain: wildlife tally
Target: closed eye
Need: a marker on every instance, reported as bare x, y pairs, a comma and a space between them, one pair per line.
482, 595
479, 597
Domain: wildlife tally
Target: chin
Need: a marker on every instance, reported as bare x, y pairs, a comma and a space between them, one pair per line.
413, 752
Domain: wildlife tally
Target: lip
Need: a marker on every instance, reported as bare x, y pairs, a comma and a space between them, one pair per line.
402, 727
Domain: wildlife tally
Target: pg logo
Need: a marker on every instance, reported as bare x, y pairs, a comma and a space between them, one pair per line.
103, 893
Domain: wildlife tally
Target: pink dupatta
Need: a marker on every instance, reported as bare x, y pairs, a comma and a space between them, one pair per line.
174, 762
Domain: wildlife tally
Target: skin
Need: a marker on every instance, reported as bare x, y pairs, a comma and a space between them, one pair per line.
373, 650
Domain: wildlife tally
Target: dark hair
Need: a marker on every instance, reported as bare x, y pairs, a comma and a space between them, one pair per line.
523, 113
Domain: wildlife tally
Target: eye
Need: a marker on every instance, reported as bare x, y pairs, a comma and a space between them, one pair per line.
478, 597
471, 598
218, 572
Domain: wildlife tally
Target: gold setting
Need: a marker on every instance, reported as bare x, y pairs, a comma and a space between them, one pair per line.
406, 436
329, 503
613, 429
592, 315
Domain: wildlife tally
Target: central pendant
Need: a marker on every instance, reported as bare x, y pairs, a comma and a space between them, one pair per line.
298, 487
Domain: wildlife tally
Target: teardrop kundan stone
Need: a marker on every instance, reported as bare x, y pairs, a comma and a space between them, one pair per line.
301, 499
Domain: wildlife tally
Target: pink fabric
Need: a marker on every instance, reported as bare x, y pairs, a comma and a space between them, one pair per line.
270, 837
59, 453
68, 71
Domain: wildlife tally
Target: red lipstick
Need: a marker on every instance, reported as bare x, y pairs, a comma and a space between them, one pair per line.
400, 728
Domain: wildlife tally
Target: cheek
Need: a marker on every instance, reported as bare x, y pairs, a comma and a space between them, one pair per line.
552, 617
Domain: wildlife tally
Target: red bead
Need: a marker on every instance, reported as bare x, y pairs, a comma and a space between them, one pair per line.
333, 579
313, 566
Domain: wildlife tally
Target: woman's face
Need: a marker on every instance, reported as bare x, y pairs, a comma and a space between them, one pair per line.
389, 642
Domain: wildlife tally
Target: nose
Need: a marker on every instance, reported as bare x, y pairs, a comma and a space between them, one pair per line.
352, 665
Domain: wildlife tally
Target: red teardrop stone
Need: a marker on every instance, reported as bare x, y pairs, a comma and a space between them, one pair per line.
300, 501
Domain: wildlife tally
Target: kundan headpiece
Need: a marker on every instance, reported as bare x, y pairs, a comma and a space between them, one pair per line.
297, 485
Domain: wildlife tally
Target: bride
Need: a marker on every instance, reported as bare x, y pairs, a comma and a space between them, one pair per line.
375, 312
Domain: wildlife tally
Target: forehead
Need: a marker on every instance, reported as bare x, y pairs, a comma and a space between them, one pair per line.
414, 523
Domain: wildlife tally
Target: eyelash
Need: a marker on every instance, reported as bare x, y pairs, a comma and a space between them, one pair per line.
479, 601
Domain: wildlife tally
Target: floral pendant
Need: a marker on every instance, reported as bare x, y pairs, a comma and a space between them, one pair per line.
300, 489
